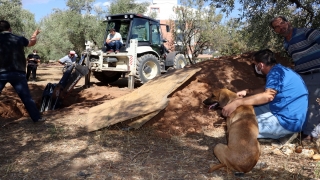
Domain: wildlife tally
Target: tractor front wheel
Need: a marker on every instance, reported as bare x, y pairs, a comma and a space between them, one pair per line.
107, 76
148, 67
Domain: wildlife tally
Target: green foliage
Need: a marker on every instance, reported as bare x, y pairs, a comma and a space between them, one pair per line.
127, 6
80, 5
22, 21
11, 10
67, 30
257, 14
63, 31
233, 39
196, 26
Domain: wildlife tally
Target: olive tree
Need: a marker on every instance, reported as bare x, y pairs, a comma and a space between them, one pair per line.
65, 30
195, 28
257, 14
127, 6
22, 21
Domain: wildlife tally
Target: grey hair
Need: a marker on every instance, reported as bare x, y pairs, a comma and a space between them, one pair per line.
275, 18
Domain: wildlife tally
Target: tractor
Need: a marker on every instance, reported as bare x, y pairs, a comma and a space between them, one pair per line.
149, 54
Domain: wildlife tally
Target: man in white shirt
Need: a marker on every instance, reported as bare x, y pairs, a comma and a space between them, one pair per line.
113, 41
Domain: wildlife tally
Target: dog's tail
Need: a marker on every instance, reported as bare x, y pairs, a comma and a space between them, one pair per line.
215, 167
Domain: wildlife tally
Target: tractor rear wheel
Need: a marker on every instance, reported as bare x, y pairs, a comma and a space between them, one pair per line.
179, 61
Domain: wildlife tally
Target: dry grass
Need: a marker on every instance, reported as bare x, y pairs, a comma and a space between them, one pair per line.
54, 151
60, 148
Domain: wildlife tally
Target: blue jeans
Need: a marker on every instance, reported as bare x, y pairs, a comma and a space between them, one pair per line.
18, 81
313, 116
269, 126
115, 45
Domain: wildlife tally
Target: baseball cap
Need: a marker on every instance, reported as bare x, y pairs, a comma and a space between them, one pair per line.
72, 52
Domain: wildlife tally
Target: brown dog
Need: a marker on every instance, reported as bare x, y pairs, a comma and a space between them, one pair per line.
243, 149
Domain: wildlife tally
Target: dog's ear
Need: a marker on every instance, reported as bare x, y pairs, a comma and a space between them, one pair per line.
224, 97
216, 93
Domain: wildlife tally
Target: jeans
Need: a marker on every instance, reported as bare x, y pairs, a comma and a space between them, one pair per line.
313, 116
269, 126
32, 69
114, 45
19, 83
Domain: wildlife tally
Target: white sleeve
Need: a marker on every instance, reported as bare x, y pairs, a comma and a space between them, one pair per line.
118, 35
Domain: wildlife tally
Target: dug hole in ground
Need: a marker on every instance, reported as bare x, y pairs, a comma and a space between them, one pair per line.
177, 143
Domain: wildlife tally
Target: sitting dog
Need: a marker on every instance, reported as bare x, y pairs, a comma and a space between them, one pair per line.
243, 149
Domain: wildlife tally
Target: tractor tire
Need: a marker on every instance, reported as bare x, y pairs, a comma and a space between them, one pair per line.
148, 67
107, 76
179, 61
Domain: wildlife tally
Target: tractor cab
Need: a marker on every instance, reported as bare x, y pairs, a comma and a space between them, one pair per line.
144, 59
134, 26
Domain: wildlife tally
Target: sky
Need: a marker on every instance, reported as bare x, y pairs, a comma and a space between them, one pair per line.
42, 8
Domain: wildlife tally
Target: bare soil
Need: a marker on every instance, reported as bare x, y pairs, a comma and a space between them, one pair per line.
175, 144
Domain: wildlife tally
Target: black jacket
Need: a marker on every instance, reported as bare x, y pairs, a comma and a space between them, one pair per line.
12, 52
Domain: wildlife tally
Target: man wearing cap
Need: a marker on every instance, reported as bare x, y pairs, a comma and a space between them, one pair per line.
113, 41
69, 59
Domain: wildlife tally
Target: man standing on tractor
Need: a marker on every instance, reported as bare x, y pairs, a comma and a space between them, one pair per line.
113, 41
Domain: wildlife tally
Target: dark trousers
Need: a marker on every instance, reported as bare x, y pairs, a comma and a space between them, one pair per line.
19, 83
116, 45
32, 69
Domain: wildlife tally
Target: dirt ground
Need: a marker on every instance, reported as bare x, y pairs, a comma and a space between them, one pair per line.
175, 144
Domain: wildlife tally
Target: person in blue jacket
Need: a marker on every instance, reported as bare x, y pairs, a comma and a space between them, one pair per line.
281, 105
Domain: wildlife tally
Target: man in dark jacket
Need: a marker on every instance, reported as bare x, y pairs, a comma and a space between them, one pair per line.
33, 61
13, 66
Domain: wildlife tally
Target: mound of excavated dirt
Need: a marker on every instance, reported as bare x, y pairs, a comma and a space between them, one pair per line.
185, 111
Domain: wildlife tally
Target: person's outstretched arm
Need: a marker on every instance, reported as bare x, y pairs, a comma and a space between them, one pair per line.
33, 38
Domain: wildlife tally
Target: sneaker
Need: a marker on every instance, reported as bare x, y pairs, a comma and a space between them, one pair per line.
117, 51
308, 138
288, 138
41, 119
316, 132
